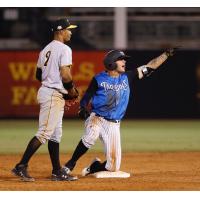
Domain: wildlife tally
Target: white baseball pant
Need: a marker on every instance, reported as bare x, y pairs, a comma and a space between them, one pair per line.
109, 133
51, 115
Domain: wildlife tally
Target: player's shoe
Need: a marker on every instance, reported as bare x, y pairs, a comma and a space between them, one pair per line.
69, 166
67, 170
62, 175
21, 171
87, 170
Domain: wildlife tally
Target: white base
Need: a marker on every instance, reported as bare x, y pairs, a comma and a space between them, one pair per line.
106, 174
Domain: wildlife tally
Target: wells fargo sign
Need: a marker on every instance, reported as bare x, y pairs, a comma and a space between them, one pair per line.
19, 87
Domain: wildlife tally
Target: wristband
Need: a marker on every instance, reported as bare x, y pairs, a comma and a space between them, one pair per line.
146, 71
68, 85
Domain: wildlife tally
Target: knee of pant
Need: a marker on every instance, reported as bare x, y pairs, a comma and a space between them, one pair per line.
56, 136
42, 139
47, 134
43, 136
88, 142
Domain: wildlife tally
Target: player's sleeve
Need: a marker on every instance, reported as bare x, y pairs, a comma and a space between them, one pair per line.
66, 57
39, 61
38, 73
91, 90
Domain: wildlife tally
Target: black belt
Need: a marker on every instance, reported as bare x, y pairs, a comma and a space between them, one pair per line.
52, 88
55, 89
110, 120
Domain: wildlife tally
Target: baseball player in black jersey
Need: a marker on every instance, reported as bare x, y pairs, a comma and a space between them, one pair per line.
109, 93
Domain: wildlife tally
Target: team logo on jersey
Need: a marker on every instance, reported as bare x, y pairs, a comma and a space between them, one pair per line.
117, 87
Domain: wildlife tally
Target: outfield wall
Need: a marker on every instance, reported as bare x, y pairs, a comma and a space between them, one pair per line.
172, 91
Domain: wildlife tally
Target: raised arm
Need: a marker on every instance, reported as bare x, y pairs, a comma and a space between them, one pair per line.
152, 65
156, 62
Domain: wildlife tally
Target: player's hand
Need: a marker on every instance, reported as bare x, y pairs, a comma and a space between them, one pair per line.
171, 51
73, 94
83, 113
69, 103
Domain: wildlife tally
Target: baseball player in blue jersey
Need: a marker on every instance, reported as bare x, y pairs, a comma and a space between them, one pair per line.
109, 93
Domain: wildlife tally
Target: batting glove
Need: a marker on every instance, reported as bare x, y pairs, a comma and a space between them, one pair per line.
171, 51
83, 113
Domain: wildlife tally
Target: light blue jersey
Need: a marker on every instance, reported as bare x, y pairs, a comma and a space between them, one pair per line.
111, 98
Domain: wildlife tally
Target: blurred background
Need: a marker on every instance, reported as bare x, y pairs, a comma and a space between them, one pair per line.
173, 91
164, 109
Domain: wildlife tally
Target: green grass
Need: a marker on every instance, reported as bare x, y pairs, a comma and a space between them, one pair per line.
136, 135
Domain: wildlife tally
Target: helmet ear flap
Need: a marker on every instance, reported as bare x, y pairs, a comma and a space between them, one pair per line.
112, 66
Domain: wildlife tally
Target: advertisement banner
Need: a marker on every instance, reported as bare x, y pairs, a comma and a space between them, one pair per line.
19, 87
172, 91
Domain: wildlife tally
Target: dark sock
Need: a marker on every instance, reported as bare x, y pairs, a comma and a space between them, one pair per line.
79, 151
97, 167
53, 148
32, 147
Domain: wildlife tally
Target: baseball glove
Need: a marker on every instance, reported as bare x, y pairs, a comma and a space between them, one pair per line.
83, 113
72, 94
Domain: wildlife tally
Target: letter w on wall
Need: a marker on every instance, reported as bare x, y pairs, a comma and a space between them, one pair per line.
21, 71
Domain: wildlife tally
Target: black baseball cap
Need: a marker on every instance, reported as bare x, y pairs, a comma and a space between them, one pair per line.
61, 24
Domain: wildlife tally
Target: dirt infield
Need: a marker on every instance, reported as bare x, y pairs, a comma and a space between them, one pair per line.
149, 171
